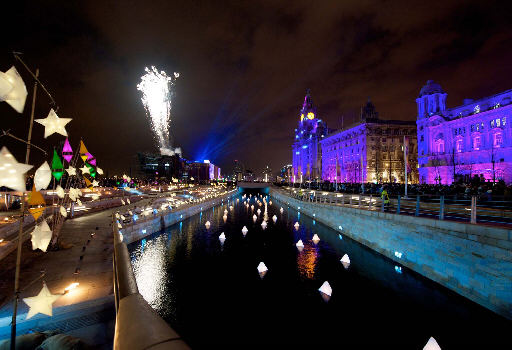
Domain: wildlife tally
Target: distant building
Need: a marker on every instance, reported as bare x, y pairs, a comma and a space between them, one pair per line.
238, 171
307, 154
474, 139
267, 174
372, 151
162, 166
286, 173
204, 171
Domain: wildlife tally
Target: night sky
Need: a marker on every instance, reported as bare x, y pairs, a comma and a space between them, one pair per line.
244, 68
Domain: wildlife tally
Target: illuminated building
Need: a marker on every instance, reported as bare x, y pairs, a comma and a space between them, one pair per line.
307, 156
371, 151
204, 171
474, 139
238, 171
162, 166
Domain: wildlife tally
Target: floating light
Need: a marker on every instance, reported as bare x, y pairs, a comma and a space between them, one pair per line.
43, 176
254, 218
326, 291
296, 226
274, 218
345, 260
63, 211
225, 218
432, 345
264, 224
60, 191
316, 239
262, 269
299, 245
258, 211
281, 210
207, 224
244, 230
222, 238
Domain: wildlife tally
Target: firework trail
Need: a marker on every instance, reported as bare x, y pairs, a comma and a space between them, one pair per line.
157, 91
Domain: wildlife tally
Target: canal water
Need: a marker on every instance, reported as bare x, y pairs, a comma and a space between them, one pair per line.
213, 295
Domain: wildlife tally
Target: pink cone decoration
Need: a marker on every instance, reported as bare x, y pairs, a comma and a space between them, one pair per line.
67, 151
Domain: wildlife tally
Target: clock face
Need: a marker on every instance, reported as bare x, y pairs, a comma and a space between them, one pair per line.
311, 115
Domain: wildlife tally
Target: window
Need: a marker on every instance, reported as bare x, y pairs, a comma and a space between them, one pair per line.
498, 139
477, 142
421, 138
459, 145
440, 146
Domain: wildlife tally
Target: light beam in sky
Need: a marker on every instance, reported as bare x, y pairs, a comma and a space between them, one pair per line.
157, 91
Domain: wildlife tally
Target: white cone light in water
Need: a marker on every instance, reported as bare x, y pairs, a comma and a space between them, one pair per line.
252, 206
326, 291
225, 218
432, 345
258, 211
262, 269
207, 224
345, 260
316, 239
299, 245
274, 218
222, 238
264, 224
296, 226
281, 210
254, 217
244, 230
270, 203
225, 211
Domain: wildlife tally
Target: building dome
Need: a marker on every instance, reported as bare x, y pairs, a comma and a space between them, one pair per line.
431, 88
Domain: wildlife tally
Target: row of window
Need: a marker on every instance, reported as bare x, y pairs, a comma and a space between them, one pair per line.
498, 122
439, 146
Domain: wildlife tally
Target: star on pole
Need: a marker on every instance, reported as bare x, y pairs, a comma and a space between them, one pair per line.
95, 183
41, 236
71, 171
41, 303
11, 172
84, 170
53, 124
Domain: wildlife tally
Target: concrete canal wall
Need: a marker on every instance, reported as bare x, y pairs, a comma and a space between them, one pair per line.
145, 227
473, 260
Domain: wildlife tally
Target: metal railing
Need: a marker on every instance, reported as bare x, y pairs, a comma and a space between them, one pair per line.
437, 207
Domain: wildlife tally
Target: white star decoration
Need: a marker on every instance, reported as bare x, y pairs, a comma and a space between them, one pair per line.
99, 171
74, 193
95, 183
11, 172
84, 169
41, 303
53, 124
13, 89
43, 176
60, 191
63, 211
41, 236
71, 171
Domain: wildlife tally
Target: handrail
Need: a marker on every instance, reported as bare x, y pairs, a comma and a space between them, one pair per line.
138, 326
439, 208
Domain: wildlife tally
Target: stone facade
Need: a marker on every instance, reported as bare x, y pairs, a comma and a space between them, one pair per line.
307, 154
372, 151
474, 139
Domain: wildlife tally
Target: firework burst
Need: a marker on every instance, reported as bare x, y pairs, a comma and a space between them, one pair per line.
157, 92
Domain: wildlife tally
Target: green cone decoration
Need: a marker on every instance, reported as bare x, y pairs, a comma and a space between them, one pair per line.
57, 167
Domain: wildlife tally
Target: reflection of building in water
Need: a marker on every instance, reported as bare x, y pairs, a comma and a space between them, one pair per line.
306, 261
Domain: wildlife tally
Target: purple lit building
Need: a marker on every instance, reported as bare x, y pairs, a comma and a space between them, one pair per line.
474, 139
371, 151
307, 154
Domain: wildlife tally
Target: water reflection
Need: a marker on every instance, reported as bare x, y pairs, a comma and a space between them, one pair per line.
306, 261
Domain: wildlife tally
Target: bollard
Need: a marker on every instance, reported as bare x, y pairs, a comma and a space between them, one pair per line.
473, 210
417, 213
441, 208
398, 205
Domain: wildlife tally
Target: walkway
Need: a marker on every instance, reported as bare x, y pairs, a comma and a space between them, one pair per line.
87, 311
